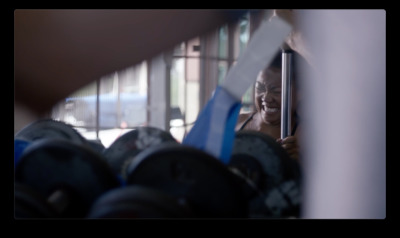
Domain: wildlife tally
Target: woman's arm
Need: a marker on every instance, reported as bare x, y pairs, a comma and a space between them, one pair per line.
295, 40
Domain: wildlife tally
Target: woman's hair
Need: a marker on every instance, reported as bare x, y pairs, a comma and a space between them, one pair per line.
298, 62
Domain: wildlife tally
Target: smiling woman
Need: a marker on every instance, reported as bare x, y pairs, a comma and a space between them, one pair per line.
268, 102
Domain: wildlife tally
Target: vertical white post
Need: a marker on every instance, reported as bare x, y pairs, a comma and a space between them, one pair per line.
345, 115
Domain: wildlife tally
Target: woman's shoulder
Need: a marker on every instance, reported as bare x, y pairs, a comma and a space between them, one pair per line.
242, 118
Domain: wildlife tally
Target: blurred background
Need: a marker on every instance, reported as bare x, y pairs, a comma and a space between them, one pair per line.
186, 76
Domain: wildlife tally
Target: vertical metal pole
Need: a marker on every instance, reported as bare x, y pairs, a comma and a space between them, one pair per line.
286, 93
97, 108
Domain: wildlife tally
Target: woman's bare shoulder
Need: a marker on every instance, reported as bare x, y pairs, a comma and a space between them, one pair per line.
242, 118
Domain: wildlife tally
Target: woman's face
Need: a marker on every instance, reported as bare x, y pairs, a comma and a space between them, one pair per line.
268, 98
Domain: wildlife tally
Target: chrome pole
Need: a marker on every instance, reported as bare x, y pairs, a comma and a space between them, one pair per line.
286, 93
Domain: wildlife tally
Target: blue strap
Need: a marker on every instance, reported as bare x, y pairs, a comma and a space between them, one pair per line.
229, 134
214, 128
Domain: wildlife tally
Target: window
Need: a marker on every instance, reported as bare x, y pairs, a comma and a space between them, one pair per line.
120, 101
184, 87
243, 32
109, 106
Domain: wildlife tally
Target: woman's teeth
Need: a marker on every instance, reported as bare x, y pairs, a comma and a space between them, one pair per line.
270, 109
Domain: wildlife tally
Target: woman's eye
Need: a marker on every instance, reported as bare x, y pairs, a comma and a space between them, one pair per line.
260, 89
277, 91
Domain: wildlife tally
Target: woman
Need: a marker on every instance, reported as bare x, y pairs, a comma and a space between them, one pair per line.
267, 99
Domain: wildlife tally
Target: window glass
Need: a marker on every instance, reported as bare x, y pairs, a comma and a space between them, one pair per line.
177, 90
73, 109
223, 42
244, 34
177, 82
179, 50
247, 100
122, 105
222, 71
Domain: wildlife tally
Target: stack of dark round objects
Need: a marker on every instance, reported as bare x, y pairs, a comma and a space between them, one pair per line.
272, 178
146, 173
58, 174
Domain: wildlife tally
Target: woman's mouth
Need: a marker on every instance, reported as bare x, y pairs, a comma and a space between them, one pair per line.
270, 109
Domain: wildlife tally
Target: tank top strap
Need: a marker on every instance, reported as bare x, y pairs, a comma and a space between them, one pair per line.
247, 121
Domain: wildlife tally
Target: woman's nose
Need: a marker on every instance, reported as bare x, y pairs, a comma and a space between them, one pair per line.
267, 97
